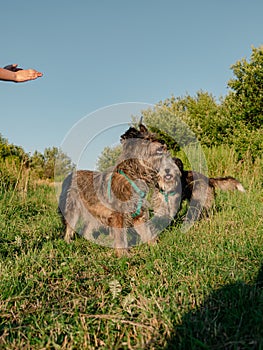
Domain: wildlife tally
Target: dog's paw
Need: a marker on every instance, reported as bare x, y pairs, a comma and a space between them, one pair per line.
153, 241
122, 252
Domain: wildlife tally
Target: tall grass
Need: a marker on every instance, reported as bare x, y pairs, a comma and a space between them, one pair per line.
198, 290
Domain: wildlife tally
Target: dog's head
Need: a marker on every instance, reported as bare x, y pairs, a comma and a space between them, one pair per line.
142, 143
169, 175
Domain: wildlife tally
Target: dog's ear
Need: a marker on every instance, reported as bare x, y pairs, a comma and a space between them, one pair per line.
143, 128
179, 163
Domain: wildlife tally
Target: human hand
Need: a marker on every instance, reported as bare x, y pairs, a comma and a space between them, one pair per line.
27, 74
22, 75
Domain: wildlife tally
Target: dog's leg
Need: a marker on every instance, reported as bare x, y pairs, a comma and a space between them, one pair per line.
200, 203
145, 230
120, 241
209, 202
118, 232
120, 237
194, 211
71, 218
87, 230
69, 233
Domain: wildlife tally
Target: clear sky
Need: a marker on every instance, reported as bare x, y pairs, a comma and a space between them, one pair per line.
95, 53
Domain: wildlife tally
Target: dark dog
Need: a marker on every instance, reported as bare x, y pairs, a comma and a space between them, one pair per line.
115, 199
177, 185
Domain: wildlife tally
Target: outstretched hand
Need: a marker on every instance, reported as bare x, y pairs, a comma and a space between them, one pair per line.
12, 72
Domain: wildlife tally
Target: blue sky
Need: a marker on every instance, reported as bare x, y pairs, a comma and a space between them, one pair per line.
96, 53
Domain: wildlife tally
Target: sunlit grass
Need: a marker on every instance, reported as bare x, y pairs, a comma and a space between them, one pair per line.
200, 289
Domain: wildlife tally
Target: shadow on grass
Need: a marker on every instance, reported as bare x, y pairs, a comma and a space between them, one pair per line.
231, 318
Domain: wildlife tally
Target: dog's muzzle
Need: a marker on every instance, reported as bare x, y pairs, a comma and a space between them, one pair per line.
168, 177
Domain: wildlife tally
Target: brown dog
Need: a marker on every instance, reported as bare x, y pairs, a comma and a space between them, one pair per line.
115, 200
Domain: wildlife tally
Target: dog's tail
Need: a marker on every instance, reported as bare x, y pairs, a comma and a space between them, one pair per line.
226, 183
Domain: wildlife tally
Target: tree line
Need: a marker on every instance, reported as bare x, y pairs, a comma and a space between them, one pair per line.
16, 165
235, 120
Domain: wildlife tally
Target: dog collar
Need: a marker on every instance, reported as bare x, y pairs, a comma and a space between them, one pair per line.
167, 194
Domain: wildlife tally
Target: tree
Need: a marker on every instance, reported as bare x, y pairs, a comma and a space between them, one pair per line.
245, 101
243, 106
56, 163
188, 119
108, 157
63, 165
14, 164
37, 163
236, 120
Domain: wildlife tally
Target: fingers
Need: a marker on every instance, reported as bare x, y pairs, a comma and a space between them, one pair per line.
27, 74
35, 73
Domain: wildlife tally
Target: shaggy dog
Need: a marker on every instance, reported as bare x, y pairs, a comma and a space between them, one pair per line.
115, 200
167, 196
176, 184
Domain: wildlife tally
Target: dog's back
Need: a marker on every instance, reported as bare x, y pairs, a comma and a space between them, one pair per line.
228, 183
199, 190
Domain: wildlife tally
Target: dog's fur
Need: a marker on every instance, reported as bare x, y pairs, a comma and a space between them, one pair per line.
167, 195
189, 185
111, 199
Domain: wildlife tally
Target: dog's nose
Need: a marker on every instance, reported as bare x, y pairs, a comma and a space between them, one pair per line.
167, 170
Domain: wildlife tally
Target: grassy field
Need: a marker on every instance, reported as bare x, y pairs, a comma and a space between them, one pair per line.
199, 290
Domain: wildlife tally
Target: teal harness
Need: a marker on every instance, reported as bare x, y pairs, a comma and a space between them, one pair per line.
141, 193
167, 194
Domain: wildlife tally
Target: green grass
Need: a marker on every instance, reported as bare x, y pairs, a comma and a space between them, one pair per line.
198, 290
